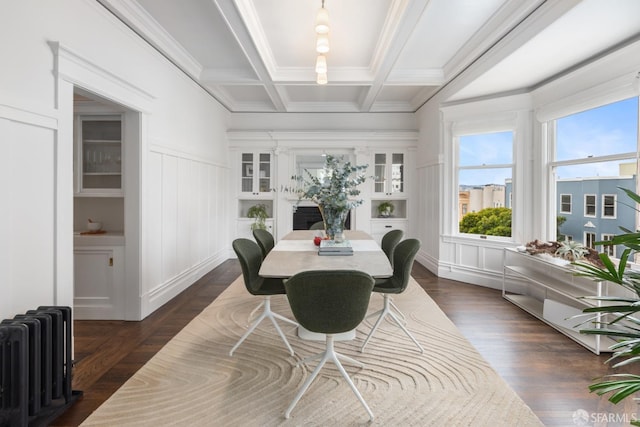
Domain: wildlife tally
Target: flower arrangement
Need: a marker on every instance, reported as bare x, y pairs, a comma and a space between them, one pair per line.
335, 192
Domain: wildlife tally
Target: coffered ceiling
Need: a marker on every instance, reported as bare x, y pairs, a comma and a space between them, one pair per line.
386, 55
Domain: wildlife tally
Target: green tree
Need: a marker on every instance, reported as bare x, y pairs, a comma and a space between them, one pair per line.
488, 221
559, 221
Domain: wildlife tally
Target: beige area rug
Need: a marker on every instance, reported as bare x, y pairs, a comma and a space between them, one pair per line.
193, 381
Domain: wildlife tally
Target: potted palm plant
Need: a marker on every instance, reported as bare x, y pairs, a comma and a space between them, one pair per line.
619, 322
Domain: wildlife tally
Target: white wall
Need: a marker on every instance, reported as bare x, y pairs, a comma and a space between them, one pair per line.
179, 226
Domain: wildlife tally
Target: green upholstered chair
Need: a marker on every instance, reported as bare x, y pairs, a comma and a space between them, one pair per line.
389, 242
329, 302
265, 240
250, 258
403, 257
317, 226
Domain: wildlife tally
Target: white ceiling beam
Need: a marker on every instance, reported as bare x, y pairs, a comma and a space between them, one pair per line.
403, 28
239, 31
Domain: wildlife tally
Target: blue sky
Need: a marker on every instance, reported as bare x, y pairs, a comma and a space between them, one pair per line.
610, 129
485, 149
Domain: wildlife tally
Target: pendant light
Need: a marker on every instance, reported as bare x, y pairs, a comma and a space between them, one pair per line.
322, 44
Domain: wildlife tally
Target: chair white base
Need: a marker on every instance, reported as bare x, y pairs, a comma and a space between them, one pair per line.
266, 314
328, 354
386, 311
306, 334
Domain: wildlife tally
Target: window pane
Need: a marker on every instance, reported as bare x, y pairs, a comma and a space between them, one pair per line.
600, 206
609, 205
481, 201
397, 173
610, 129
486, 149
565, 203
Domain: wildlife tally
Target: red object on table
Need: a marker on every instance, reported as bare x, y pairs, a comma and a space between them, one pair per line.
317, 240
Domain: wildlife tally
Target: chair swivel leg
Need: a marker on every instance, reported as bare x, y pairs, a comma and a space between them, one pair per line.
266, 313
386, 311
254, 312
395, 307
329, 354
340, 356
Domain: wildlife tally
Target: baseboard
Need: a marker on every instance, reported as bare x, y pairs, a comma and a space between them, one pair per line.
168, 290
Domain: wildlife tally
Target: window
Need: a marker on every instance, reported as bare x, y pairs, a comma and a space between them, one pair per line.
590, 239
608, 205
485, 163
464, 208
565, 203
590, 205
608, 249
595, 154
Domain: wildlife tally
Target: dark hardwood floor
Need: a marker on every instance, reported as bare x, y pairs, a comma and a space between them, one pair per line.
547, 370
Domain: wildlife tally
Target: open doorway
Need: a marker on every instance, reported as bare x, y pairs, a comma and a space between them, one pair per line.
106, 144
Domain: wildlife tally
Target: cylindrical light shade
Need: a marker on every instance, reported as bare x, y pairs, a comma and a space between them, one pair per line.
322, 43
322, 79
322, 21
321, 64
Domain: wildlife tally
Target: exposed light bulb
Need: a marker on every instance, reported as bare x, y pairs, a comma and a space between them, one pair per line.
322, 43
322, 21
321, 64
322, 79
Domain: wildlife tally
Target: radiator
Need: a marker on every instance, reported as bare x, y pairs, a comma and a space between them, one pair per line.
36, 367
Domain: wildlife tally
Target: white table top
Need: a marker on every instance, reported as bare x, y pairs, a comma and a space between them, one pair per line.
296, 252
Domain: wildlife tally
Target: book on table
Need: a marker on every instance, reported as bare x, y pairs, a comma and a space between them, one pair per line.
331, 247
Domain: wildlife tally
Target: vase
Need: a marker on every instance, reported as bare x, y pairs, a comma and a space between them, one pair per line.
334, 219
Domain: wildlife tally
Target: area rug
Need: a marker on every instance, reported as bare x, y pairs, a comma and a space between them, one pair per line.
193, 381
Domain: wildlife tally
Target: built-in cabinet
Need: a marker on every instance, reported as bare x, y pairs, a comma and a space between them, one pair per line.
99, 282
548, 289
98, 159
263, 164
389, 186
256, 174
255, 186
389, 174
99, 257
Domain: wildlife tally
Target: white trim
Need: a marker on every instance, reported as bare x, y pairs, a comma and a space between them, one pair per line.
79, 71
28, 117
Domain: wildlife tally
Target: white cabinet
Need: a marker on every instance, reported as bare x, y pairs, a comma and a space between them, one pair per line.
256, 174
243, 228
548, 290
98, 156
380, 227
389, 174
99, 283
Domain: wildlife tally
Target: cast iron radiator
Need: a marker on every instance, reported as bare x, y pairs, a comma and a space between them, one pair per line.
36, 367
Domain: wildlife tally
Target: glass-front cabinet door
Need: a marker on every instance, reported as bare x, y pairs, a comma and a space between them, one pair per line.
99, 161
255, 173
389, 174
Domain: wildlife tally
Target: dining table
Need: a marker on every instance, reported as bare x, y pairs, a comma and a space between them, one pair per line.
296, 252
